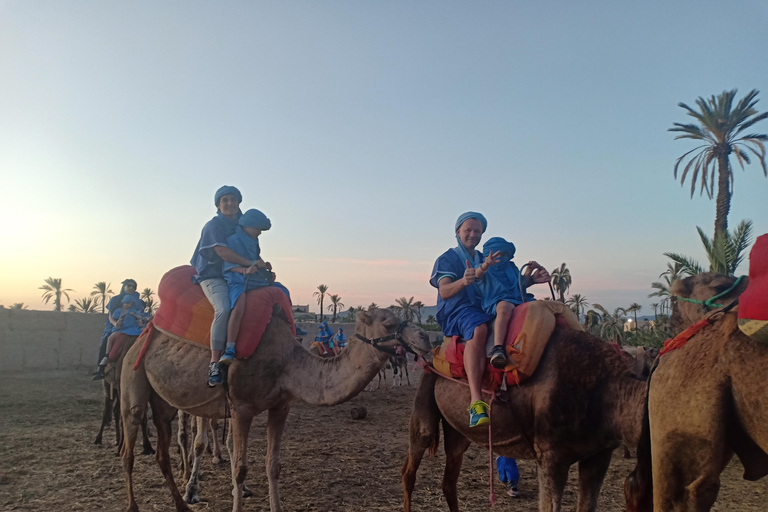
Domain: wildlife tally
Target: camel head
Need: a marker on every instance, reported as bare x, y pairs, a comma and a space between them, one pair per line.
692, 292
379, 323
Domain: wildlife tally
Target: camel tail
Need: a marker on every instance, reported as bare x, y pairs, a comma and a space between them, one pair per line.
638, 487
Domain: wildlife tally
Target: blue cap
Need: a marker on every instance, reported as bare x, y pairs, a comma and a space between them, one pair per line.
499, 244
128, 299
226, 189
471, 215
254, 219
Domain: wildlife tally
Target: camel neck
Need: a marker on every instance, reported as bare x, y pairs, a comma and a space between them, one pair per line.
630, 396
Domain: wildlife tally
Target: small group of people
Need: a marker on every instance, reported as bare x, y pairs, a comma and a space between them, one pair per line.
125, 317
228, 263
331, 342
478, 289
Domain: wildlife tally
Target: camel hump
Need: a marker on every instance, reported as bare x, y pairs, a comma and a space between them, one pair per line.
753, 303
185, 311
527, 336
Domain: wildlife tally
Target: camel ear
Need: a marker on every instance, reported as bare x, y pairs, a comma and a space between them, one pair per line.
682, 287
364, 317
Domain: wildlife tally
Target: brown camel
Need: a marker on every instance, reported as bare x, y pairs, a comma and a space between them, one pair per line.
173, 373
579, 405
193, 440
706, 402
111, 389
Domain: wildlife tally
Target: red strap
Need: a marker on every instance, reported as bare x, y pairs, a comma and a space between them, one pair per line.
682, 338
149, 333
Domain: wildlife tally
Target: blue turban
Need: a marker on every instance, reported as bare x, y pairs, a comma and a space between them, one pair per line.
255, 219
496, 244
129, 281
128, 299
226, 189
471, 215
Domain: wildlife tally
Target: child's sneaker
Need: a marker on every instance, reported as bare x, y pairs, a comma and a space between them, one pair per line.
214, 375
498, 357
478, 414
512, 491
228, 357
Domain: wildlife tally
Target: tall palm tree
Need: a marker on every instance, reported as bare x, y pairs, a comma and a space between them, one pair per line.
634, 308
320, 294
53, 290
612, 326
335, 305
373, 305
725, 253
417, 310
655, 308
404, 308
591, 320
561, 280
85, 305
148, 296
720, 126
431, 320
102, 290
578, 303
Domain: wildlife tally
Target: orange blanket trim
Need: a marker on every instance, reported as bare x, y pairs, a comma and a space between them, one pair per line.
148, 333
681, 339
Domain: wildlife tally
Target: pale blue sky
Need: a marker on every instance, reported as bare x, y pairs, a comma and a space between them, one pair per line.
362, 129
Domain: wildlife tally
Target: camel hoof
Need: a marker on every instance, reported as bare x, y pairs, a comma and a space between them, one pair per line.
247, 493
148, 451
192, 499
217, 460
98, 440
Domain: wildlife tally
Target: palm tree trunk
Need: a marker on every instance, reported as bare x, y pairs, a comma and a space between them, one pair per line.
321, 309
723, 196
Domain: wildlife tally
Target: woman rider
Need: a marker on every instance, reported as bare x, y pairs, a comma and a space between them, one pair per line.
459, 308
210, 254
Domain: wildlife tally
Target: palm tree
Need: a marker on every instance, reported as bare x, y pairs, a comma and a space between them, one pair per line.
561, 280
719, 128
53, 290
373, 305
102, 290
725, 253
404, 308
320, 294
592, 319
85, 305
18, 305
612, 326
417, 310
655, 308
148, 296
334, 306
431, 320
634, 308
578, 303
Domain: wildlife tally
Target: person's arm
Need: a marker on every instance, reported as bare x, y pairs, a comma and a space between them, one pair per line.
492, 259
113, 321
535, 274
231, 256
447, 287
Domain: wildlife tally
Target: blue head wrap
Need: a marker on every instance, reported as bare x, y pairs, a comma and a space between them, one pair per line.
471, 215
496, 244
255, 219
341, 329
128, 299
226, 189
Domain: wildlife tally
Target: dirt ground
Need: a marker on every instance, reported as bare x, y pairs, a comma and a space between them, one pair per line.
48, 461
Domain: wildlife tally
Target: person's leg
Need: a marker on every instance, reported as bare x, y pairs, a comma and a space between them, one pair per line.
217, 292
504, 311
110, 343
474, 365
233, 329
103, 347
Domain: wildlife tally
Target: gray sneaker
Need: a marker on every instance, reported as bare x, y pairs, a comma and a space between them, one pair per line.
214, 375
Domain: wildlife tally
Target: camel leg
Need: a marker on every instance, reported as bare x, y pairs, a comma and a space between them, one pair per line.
106, 412
592, 472
182, 440
215, 444
424, 434
133, 406
405, 369
162, 415
191, 495
147, 446
455, 445
275, 425
553, 475
238, 457
118, 423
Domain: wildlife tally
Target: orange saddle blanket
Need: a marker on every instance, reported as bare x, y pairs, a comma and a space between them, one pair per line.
526, 338
185, 311
753, 303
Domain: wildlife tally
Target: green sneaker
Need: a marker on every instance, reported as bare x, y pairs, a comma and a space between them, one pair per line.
478, 414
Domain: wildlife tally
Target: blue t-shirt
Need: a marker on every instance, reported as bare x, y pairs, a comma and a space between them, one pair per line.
205, 259
130, 325
115, 303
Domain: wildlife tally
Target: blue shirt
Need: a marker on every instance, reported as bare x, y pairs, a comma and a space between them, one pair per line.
130, 325
205, 259
115, 303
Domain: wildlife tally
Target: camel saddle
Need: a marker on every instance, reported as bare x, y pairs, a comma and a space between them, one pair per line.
753, 302
186, 313
526, 338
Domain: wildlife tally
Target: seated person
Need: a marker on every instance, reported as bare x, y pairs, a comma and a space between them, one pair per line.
340, 338
245, 243
128, 288
128, 321
502, 288
324, 335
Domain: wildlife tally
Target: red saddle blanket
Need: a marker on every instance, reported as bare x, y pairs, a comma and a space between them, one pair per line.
185, 311
753, 303
527, 335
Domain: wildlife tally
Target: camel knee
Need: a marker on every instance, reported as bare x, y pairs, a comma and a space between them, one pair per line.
241, 473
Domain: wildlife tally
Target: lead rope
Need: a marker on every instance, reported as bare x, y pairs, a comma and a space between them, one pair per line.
492, 496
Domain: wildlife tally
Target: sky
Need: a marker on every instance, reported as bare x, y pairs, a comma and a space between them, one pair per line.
363, 129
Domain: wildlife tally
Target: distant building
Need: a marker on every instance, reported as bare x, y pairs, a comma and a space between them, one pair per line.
297, 308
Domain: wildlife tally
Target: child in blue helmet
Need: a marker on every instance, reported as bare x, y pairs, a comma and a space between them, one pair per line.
245, 242
129, 320
340, 338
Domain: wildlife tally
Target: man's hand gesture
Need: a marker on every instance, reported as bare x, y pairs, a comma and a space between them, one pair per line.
470, 274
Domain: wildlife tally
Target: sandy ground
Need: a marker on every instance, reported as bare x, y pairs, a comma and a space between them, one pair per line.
48, 461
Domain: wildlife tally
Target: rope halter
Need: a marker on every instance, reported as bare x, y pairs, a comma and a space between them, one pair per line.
709, 303
398, 335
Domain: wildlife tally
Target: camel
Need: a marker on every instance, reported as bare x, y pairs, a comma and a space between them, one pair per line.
172, 376
197, 430
111, 389
399, 365
579, 405
706, 401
